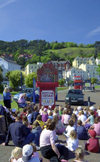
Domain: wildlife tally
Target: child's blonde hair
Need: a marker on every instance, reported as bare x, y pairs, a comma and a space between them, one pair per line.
73, 134
16, 153
99, 107
79, 153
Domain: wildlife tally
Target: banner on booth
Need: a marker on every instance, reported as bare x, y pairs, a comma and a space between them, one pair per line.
47, 97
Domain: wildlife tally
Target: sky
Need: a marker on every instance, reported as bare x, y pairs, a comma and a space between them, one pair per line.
51, 20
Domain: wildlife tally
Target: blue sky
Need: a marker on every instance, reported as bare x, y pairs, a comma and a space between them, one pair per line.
51, 20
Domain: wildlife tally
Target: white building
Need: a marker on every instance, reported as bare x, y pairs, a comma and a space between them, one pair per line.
91, 70
61, 66
74, 72
30, 68
8, 65
79, 60
97, 61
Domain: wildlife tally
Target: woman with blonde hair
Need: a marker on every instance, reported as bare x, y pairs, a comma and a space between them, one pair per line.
7, 98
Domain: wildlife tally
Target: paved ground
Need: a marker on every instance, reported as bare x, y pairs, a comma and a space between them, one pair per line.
91, 157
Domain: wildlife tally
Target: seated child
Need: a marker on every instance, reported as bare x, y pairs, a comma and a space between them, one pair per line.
28, 154
36, 130
81, 131
50, 115
65, 117
96, 126
15, 154
25, 122
79, 153
60, 128
72, 141
39, 120
92, 144
69, 128
90, 120
36, 154
44, 115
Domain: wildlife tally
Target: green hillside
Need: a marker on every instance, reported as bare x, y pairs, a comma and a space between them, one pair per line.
27, 52
73, 52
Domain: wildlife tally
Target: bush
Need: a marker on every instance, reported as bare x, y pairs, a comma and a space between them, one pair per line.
61, 82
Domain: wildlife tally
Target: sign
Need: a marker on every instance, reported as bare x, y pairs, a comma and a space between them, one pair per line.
47, 97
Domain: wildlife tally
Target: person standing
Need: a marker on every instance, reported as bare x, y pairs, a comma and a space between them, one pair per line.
7, 98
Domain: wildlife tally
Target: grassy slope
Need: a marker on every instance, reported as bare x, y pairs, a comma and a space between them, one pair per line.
73, 52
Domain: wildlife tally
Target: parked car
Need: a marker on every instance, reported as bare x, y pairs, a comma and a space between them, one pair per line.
88, 89
74, 96
29, 94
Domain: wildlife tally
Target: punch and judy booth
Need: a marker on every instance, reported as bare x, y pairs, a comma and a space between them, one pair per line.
47, 80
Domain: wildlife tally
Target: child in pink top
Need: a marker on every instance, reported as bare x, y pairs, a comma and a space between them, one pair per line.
65, 117
96, 126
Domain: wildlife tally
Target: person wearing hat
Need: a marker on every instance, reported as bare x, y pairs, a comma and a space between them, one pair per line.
28, 155
92, 144
79, 108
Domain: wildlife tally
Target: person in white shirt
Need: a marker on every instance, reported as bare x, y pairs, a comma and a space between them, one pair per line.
69, 128
98, 111
72, 141
82, 117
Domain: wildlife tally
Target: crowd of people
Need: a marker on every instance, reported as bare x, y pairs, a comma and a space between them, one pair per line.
35, 128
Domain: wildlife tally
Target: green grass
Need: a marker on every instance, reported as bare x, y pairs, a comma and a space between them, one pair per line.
97, 86
13, 104
61, 88
73, 52
13, 93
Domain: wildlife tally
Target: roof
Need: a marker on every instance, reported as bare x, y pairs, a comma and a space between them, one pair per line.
9, 60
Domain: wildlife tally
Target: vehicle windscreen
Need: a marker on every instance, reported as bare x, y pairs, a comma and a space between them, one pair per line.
77, 84
74, 92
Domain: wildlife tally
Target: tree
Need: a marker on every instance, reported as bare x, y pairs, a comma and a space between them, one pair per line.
45, 59
81, 54
16, 79
29, 79
21, 61
7, 75
93, 80
81, 45
61, 82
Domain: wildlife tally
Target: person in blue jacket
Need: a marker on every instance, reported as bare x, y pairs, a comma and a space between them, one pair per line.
81, 131
19, 133
7, 98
